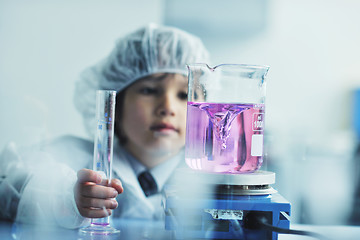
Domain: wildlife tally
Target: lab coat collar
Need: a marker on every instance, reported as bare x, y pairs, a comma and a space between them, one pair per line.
123, 168
163, 171
128, 167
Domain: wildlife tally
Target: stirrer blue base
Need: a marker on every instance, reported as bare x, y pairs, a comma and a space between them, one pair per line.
207, 223
227, 211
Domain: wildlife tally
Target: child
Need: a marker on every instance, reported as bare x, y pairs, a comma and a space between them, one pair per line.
147, 68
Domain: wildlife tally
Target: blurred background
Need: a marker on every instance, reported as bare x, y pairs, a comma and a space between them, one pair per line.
313, 97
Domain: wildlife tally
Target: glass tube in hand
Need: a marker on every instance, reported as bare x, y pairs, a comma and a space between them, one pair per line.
103, 152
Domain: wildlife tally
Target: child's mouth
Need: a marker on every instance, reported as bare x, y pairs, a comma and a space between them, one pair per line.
163, 127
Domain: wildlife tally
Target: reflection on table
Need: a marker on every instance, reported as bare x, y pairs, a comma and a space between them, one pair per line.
143, 229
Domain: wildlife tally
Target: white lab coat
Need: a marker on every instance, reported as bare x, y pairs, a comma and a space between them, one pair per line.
47, 194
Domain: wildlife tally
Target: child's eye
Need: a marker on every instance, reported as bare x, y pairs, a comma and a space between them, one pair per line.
148, 90
183, 95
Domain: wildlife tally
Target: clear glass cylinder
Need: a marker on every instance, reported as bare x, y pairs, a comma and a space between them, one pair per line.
225, 117
103, 153
103, 142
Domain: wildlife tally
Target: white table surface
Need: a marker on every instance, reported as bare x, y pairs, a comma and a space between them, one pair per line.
141, 229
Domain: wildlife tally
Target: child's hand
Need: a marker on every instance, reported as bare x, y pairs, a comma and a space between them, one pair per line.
94, 197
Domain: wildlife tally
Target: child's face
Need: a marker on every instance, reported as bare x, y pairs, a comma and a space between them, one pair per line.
154, 115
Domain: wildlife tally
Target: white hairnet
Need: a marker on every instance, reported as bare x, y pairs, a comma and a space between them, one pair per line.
150, 49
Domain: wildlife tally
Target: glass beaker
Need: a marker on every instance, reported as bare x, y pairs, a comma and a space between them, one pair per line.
225, 117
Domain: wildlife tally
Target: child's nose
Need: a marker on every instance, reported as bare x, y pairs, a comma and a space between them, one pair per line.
166, 105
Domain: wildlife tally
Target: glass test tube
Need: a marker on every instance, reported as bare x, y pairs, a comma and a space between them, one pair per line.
103, 151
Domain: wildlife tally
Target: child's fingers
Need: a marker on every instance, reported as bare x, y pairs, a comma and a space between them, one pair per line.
94, 213
98, 203
97, 191
116, 183
87, 175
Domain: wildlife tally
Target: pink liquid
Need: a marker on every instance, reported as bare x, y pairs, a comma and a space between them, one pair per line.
226, 138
